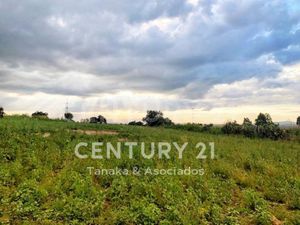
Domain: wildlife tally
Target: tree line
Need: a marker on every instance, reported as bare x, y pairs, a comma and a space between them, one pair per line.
263, 126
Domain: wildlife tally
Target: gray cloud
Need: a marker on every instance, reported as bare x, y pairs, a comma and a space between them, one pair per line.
87, 48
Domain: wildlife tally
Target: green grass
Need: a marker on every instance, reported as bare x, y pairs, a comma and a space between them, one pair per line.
252, 181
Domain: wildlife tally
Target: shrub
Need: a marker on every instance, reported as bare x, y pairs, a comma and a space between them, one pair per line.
155, 118
263, 119
100, 119
272, 131
266, 128
254, 201
248, 128
1, 112
207, 127
145, 212
189, 127
39, 114
68, 116
136, 123
197, 127
27, 199
263, 128
232, 128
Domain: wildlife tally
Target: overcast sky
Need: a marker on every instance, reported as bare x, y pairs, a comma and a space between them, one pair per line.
204, 61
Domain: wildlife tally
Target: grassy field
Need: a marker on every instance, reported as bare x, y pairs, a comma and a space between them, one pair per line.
251, 181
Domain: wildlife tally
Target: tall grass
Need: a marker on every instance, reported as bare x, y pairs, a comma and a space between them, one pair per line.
251, 181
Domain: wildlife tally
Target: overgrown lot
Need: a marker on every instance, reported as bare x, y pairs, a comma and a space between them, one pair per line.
251, 181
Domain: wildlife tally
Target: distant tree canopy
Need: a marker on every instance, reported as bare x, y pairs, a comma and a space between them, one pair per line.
68, 116
248, 128
263, 119
232, 128
263, 128
100, 119
155, 118
136, 123
39, 114
298, 121
1, 112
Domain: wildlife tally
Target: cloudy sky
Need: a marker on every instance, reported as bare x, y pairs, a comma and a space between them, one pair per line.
201, 61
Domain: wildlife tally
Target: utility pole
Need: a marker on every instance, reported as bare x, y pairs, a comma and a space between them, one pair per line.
193, 115
67, 107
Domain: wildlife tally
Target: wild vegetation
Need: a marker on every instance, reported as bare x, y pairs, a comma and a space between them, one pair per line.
251, 181
156, 118
1, 112
68, 116
136, 123
40, 114
100, 119
264, 127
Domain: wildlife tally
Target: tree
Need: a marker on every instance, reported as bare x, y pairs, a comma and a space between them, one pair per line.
100, 119
68, 116
248, 128
263, 119
1, 112
265, 128
247, 122
298, 121
93, 120
155, 118
39, 114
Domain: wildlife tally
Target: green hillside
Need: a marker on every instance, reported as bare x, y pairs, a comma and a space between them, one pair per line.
250, 181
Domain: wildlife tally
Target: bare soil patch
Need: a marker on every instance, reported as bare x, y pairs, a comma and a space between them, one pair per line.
45, 135
97, 132
276, 221
123, 139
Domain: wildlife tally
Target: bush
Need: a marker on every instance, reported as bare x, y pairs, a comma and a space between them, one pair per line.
272, 131
232, 128
263, 119
248, 129
196, 127
207, 127
68, 116
136, 123
1, 112
40, 114
155, 118
100, 119
27, 199
263, 128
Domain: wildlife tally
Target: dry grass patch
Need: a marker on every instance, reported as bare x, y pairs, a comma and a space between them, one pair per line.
45, 135
97, 132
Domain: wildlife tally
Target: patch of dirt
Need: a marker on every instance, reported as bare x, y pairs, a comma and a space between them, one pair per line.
122, 139
97, 132
276, 221
45, 135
